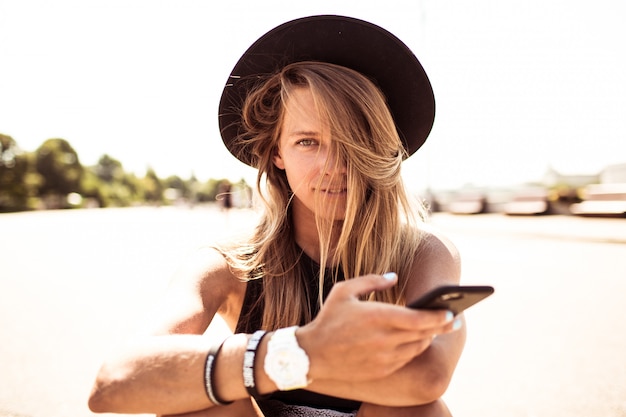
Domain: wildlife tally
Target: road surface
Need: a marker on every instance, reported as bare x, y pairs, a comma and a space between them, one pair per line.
549, 342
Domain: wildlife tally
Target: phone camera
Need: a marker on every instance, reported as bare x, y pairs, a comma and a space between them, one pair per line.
452, 296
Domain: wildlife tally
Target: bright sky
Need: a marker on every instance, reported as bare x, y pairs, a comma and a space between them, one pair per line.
520, 85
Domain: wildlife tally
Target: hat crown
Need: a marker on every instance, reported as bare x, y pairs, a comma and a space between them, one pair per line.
346, 41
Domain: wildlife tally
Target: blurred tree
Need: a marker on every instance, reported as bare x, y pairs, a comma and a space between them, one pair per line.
152, 187
9, 152
135, 186
109, 169
176, 188
14, 190
192, 186
174, 181
110, 186
92, 187
57, 162
208, 190
54, 170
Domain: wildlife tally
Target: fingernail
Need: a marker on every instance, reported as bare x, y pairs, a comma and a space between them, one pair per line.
390, 276
449, 316
458, 323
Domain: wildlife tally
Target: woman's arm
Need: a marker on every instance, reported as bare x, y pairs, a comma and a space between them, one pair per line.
357, 349
162, 370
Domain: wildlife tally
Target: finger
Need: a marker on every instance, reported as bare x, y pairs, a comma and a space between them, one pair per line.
456, 324
397, 355
408, 351
399, 334
420, 322
434, 319
365, 284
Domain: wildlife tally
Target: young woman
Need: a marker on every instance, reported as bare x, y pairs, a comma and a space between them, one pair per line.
315, 295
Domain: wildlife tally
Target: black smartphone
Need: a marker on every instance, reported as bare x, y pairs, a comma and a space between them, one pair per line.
455, 298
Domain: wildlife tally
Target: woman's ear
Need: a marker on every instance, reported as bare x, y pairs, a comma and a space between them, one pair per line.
278, 160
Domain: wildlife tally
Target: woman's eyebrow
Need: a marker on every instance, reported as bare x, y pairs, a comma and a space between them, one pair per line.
304, 133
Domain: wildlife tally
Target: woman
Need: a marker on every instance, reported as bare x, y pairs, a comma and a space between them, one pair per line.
315, 296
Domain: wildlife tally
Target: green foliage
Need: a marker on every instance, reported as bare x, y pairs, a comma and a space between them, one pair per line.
109, 185
152, 187
108, 169
18, 181
209, 190
57, 162
175, 189
53, 177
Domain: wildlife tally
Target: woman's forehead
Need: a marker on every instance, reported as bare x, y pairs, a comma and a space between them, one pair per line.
302, 113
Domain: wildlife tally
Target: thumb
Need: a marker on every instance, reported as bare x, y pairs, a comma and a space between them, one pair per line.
366, 284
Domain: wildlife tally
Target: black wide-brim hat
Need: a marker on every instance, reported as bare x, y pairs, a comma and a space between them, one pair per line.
353, 43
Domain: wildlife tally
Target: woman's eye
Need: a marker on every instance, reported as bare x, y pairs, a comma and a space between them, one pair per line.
307, 142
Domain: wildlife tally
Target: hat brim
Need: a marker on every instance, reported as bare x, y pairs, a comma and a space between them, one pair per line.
349, 42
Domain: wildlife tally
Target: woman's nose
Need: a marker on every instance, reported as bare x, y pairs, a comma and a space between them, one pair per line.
334, 164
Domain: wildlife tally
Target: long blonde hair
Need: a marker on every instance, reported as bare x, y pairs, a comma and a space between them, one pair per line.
380, 231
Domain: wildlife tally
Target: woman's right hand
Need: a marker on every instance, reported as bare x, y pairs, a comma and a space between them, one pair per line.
354, 340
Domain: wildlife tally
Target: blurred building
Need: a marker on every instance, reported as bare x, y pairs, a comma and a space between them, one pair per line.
607, 197
613, 174
552, 178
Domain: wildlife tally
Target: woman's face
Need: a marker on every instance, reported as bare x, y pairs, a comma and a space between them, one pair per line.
317, 179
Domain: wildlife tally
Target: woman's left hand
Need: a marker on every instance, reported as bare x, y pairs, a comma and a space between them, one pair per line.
354, 340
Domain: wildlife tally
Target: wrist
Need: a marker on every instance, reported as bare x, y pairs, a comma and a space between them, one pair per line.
286, 363
228, 376
307, 339
209, 375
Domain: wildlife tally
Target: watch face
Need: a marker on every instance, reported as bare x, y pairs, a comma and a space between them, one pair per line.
288, 367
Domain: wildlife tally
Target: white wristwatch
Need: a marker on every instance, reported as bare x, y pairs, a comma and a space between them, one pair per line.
286, 363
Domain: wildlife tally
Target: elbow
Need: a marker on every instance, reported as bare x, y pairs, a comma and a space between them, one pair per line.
97, 402
439, 367
439, 386
106, 394
435, 384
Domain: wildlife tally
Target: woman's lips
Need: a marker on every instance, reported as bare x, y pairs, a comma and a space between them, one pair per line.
334, 190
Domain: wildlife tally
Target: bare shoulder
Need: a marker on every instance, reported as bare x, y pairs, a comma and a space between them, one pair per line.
203, 286
437, 262
439, 248
219, 286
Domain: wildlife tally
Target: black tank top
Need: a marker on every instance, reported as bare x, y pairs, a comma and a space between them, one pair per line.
250, 320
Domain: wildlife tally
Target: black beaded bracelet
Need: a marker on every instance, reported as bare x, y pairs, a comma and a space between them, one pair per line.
208, 375
249, 379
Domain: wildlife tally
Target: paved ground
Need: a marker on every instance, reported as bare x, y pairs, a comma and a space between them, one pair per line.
550, 342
